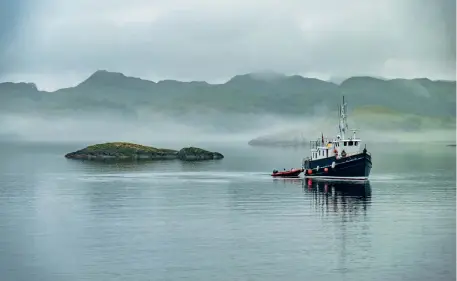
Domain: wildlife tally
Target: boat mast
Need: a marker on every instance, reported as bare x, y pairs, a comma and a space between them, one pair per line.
343, 124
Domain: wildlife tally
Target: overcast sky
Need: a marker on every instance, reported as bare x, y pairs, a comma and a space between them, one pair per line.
57, 43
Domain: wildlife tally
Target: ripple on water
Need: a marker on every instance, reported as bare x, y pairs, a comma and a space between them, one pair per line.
173, 221
202, 177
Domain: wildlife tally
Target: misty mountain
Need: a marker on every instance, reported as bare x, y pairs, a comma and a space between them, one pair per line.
250, 93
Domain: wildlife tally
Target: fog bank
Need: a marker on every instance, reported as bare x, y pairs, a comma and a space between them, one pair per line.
159, 129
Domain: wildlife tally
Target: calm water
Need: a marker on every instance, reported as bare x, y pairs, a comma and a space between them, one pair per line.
225, 220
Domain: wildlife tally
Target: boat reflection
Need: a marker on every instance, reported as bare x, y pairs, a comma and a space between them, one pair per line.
287, 181
339, 196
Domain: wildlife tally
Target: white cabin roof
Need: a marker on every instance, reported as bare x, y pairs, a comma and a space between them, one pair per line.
347, 140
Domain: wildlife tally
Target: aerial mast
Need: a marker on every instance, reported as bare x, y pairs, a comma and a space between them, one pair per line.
343, 125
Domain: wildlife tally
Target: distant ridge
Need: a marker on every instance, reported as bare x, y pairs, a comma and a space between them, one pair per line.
263, 92
255, 76
103, 74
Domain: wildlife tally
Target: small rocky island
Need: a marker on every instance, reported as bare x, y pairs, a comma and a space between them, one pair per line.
131, 151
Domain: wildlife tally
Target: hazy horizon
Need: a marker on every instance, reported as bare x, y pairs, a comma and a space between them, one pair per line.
59, 44
159, 129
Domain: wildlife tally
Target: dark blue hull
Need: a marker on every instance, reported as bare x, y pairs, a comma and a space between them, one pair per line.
356, 166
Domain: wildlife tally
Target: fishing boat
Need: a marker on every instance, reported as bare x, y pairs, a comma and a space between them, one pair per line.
292, 173
339, 158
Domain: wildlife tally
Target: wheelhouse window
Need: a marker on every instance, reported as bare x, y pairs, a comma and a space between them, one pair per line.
350, 143
356, 143
345, 143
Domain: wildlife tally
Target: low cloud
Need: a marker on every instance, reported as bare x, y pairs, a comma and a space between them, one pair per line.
57, 44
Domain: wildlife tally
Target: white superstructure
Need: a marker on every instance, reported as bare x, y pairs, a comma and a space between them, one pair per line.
339, 146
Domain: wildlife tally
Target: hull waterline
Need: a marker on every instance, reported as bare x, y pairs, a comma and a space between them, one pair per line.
355, 167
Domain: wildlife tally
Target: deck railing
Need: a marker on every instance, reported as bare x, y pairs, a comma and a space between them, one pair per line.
318, 143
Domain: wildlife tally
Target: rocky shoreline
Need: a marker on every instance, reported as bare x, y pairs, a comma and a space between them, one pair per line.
131, 151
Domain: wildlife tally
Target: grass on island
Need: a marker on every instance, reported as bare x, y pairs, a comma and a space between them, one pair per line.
125, 147
195, 150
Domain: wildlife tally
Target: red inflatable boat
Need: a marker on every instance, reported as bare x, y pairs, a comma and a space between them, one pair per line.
287, 174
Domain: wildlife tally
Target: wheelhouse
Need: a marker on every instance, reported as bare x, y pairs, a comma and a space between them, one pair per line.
324, 147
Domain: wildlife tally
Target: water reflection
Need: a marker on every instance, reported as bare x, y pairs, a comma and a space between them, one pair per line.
124, 166
345, 204
288, 181
343, 197
120, 166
